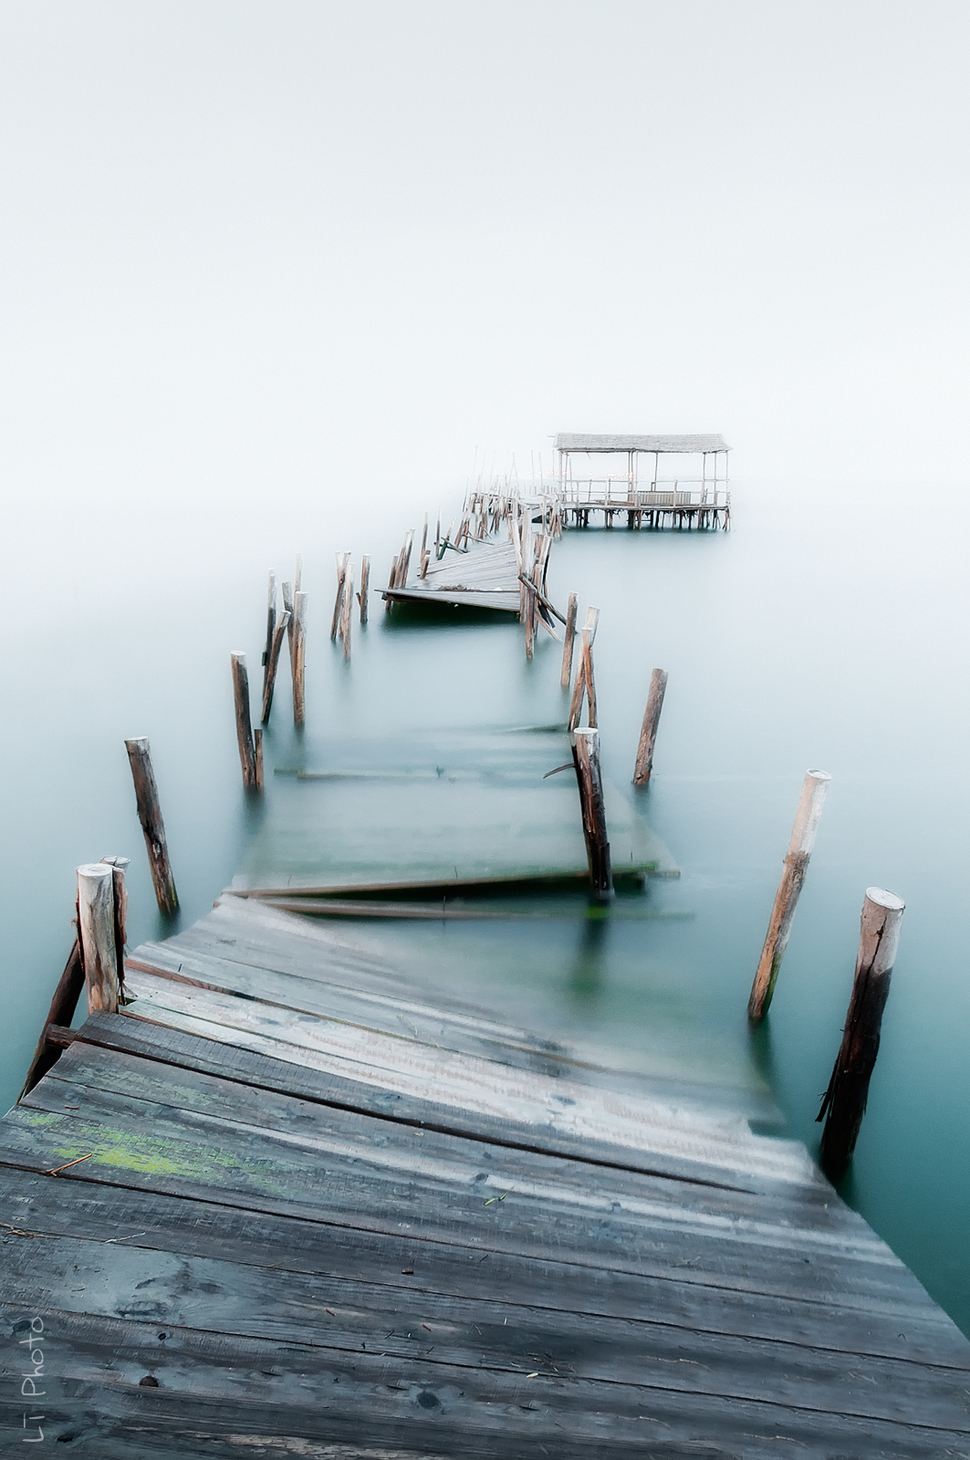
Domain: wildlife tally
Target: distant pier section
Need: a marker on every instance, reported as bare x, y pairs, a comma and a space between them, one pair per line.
655, 481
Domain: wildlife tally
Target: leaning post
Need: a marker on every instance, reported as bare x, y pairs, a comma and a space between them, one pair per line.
844, 1102
96, 931
150, 816
648, 730
244, 729
786, 898
569, 636
586, 757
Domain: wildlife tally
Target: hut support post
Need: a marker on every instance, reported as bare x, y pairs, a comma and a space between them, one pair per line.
648, 730
150, 816
844, 1102
786, 898
586, 757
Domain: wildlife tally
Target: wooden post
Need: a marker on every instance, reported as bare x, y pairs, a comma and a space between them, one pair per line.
58, 1020
845, 1099
648, 730
342, 560
299, 658
270, 627
347, 614
150, 816
244, 729
258, 752
586, 757
567, 648
287, 591
786, 898
96, 929
119, 866
364, 587
584, 683
274, 658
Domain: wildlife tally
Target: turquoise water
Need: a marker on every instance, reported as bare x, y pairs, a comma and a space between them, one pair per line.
827, 630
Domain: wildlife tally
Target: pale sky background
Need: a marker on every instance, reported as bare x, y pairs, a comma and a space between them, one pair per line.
259, 247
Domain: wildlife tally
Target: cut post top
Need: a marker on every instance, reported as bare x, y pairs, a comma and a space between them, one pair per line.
809, 812
885, 899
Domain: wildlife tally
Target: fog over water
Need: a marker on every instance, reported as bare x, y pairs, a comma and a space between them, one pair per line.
274, 275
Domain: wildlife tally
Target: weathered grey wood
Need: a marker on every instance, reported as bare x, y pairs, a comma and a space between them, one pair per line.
152, 825
61, 1012
586, 753
342, 560
269, 679
234, 1396
258, 753
96, 932
244, 729
505, 1334
270, 629
583, 685
364, 587
844, 1103
299, 658
157, 1222
119, 866
347, 613
287, 592
568, 640
786, 898
648, 730
509, 1201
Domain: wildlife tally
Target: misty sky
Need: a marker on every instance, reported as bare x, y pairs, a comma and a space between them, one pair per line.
317, 243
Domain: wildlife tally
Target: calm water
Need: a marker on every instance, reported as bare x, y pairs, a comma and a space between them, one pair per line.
827, 630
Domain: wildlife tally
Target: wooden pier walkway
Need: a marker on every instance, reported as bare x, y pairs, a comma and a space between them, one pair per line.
318, 1209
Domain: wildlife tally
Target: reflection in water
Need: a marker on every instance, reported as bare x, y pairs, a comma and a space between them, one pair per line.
588, 976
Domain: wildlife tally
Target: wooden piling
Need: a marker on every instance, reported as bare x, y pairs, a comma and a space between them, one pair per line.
119, 866
258, 751
586, 757
244, 729
648, 730
150, 816
299, 658
347, 614
844, 1102
567, 648
584, 683
270, 627
269, 681
342, 560
786, 898
59, 1017
287, 592
364, 587
96, 929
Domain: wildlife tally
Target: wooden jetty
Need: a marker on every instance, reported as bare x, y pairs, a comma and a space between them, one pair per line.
405, 826
485, 575
286, 1202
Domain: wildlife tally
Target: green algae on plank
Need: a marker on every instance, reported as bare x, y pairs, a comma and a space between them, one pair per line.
121, 1150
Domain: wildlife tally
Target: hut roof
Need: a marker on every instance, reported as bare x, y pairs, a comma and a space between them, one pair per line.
568, 441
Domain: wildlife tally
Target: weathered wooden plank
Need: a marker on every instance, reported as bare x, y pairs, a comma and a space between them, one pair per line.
906, 1326
394, 1015
474, 1084
242, 1387
481, 1203
111, 1071
501, 1333
191, 1051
